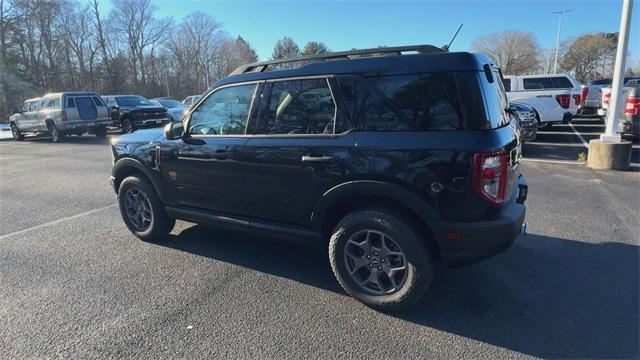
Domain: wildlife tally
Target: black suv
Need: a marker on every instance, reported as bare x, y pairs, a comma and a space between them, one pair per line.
394, 157
132, 112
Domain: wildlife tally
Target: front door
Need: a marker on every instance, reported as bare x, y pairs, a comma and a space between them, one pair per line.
202, 169
300, 149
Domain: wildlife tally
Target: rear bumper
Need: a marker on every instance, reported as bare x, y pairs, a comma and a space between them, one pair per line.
479, 240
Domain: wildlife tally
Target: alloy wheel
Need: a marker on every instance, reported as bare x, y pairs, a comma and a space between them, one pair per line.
375, 262
138, 209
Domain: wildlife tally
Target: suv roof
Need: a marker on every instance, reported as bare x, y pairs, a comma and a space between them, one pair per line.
378, 61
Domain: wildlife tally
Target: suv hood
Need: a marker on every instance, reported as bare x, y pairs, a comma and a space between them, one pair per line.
144, 108
142, 135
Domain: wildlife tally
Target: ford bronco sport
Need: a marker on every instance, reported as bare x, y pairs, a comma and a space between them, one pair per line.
399, 157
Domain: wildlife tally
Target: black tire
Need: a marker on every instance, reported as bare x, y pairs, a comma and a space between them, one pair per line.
17, 135
127, 126
160, 223
55, 134
101, 132
417, 260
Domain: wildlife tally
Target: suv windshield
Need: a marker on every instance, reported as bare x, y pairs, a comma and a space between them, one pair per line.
168, 103
133, 101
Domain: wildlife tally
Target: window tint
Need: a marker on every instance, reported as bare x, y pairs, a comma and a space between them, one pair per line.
71, 102
537, 83
97, 101
25, 107
422, 102
507, 84
298, 107
224, 112
561, 83
34, 105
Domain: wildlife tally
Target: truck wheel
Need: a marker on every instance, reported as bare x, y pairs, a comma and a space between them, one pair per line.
380, 259
142, 210
101, 132
17, 135
127, 126
55, 134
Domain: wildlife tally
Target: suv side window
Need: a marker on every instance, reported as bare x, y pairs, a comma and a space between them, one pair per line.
507, 84
34, 106
537, 83
112, 102
421, 102
25, 107
224, 112
303, 106
71, 102
561, 83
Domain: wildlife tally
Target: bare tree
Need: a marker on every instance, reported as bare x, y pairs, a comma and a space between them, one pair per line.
591, 56
514, 51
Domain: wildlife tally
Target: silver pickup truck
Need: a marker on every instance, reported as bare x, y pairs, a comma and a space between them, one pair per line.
60, 114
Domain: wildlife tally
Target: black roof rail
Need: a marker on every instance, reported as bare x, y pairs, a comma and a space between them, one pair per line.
381, 51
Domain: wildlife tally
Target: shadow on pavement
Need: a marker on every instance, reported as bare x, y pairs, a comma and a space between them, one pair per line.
547, 297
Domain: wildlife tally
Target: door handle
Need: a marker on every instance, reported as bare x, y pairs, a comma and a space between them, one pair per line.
221, 154
308, 158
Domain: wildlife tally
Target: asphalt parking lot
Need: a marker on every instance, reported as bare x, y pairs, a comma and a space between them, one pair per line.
76, 283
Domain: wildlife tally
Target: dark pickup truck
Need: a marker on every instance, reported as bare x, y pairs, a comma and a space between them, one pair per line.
133, 112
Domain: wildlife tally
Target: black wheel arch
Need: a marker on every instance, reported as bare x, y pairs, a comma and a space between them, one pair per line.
347, 197
129, 166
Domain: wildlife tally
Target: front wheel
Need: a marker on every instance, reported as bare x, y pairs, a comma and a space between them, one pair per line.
17, 134
380, 259
142, 210
127, 126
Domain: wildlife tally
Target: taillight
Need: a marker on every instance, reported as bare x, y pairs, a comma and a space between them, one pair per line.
63, 115
583, 94
490, 176
577, 99
633, 106
564, 100
607, 98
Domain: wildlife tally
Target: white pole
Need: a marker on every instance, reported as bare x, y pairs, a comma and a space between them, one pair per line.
618, 75
555, 62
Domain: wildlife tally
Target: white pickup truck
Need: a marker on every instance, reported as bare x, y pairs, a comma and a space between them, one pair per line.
555, 98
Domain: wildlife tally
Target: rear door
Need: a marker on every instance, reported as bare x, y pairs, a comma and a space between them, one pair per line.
301, 148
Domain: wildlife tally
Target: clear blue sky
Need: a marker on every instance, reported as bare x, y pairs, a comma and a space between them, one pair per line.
362, 24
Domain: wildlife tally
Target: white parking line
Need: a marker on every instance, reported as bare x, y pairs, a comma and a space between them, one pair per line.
584, 142
57, 221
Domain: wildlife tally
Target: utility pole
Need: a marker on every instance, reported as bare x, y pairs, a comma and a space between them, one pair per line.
618, 75
561, 12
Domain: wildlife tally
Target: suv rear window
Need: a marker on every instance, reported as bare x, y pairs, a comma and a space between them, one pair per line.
547, 83
417, 102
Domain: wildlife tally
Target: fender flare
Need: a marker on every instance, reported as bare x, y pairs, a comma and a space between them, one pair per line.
128, 162
376, 188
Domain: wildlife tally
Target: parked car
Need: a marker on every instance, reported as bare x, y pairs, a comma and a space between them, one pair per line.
591, 95
526, 121
412, 161
133, 112
629, 124
175, 108
60, 114
190, 100
554, 97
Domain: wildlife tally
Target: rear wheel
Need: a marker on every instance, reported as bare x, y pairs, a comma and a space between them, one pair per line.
142, 210
380, 259
55, 134
101, 132
17, 135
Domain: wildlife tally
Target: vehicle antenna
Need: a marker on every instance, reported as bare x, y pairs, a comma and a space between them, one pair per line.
446, 47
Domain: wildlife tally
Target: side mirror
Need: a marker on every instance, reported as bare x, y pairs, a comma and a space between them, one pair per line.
174, 130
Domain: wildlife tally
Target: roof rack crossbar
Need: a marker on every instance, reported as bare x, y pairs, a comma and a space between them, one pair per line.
396, 50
